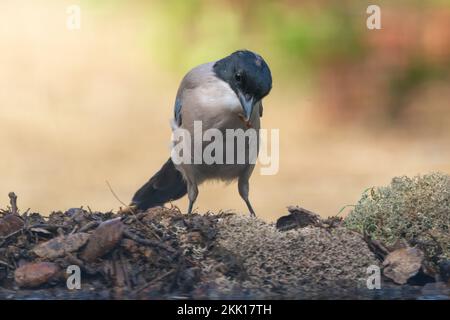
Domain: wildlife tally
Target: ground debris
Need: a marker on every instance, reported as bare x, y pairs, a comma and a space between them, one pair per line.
163, 253
411, 212
297, 218
61, 245
156, 253
310, 258
32, 275
402, 264
444, 270
103, 239
10, 224
300, 218
415, 209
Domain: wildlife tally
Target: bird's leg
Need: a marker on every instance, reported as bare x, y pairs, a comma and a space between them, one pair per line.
192, 195
249, 206
243, 187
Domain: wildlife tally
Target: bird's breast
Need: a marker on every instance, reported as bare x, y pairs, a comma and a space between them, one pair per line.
216, 96
216, 105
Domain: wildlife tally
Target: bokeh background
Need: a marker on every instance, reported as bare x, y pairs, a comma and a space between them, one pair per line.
354, 106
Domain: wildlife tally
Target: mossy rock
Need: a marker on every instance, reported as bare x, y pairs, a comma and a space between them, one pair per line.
416, 209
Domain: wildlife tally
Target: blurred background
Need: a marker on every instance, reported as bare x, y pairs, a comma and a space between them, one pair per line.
355, 107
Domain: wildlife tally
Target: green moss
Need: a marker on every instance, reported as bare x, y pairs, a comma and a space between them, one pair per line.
416, 209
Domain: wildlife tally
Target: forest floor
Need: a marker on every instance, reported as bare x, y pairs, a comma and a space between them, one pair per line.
164, 254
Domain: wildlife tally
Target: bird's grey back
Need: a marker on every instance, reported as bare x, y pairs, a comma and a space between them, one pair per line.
196, 77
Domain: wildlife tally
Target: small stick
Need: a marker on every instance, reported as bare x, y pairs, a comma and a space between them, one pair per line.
25, 214
47, 226
13, 201
153, 281
6, 264
117, 198
131, 209
88, 226
132, 236
343, 208
74, 229
10, 235
28, 228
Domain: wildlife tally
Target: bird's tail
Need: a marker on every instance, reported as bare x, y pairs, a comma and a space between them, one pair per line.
166, 185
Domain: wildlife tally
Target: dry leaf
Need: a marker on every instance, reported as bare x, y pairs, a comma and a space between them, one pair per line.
61, 245
402, 264
9, 224
104, 239
35, 274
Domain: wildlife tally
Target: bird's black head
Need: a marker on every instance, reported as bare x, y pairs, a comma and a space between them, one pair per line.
248, 75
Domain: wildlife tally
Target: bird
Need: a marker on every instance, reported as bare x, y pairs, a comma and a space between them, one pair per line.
223, 94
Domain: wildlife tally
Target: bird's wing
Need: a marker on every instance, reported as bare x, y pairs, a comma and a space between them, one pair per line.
177, 111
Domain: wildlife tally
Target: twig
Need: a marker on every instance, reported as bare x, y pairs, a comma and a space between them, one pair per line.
137, 216
343, 208
375, 246
147, 242
28, 228
153, 281
74, 229
13, 201
88, 226
131, 209
47, 226
117, 198
6, 264
10, 235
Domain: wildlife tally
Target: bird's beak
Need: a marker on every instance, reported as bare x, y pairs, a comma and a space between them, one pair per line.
247, 103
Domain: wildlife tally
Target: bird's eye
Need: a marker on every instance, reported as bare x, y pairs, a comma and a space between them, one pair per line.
238, 77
